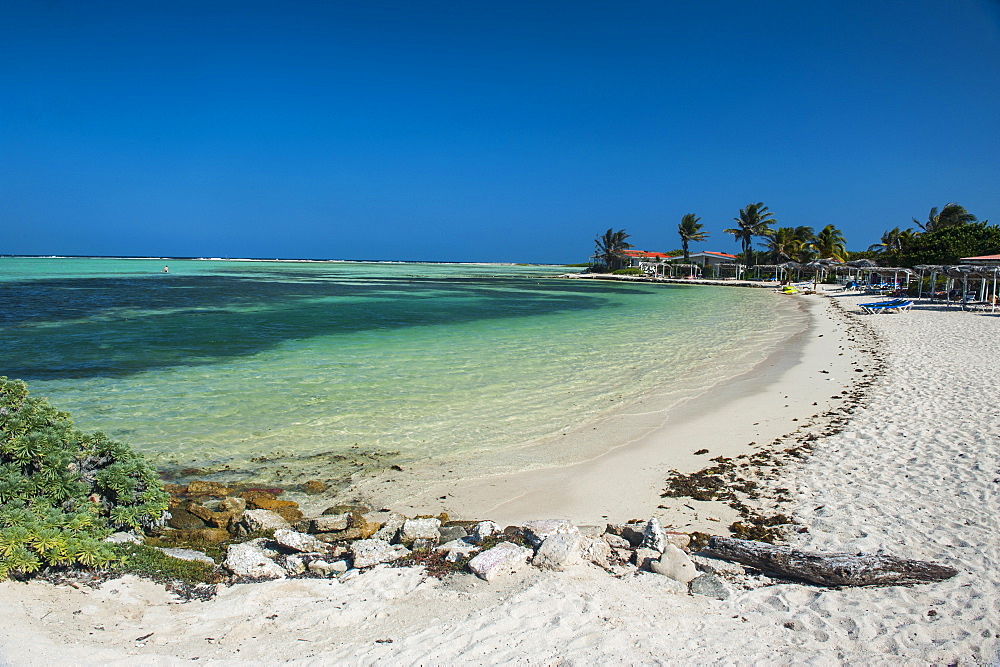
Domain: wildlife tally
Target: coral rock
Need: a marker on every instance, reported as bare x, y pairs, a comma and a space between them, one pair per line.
710, 586
182, 519
675, 564
536, 531
254, 521
505, 557
484, 529
653, 536
203, 488
315, 486
327, 568
558, 551
372, 552
390, 530
420, 529
299, 541
251, 559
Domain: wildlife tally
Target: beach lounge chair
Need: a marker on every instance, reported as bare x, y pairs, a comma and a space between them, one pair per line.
894, 306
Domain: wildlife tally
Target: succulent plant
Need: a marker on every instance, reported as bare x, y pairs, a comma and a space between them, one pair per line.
62, 491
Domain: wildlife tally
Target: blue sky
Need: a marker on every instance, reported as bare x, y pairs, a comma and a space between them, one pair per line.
484, 131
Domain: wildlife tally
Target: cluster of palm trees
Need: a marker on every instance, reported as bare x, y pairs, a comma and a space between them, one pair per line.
800, 244
784, 244
897, 240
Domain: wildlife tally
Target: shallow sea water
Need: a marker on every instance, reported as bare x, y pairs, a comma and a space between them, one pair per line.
274, 371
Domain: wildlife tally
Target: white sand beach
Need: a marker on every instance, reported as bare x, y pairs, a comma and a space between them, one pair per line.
912, 471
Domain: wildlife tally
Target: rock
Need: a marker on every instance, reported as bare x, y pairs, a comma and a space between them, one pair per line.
633, 532
347, 509
301, 542
266, 503
423, 544
591, 531
250, 559
505, 557
624, 555
232, 504
123, 538
314, 486
328, 523
203, 488
536, 531
675, 564
261, 521
449, 533
716, 565
182, 519
616, 541
294, 565
420, 529
187, 554
653, 537
390, 530
457, 550
710, 586
212, 517
558, 551
595, 550
679, 540
211, 535
484, 529
645, 557
253, 494
372, 552
363, 526
327, 568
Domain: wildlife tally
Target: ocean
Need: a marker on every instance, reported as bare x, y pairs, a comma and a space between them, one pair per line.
279, 371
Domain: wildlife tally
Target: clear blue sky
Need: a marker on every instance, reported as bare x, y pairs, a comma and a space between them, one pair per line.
484, 130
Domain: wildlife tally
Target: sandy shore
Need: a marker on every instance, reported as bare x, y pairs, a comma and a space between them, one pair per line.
913, 471
613, 469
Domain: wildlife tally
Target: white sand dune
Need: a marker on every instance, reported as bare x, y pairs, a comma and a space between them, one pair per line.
914, 472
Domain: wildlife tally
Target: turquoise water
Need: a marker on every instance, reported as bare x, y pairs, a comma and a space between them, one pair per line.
274, 370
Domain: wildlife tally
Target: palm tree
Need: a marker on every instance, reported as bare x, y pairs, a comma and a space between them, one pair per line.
610, 246
892, 240
753, 221
690, 230
783, 243
952, 215
830, 244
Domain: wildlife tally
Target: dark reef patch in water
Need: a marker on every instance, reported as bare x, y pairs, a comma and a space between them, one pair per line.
119, 326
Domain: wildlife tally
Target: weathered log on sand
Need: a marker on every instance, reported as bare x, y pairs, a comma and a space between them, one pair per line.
837, 569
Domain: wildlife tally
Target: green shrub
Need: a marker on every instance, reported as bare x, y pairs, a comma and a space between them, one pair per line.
146, 561
62, 491
631, 271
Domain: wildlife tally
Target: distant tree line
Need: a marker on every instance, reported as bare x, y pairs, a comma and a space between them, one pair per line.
945, 237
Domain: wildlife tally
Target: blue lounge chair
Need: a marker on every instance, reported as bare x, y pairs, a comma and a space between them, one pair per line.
894, 306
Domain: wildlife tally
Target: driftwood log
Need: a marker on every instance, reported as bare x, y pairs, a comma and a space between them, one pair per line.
836, 569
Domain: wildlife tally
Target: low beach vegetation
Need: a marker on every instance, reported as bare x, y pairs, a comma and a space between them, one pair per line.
62, 491
630, 271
